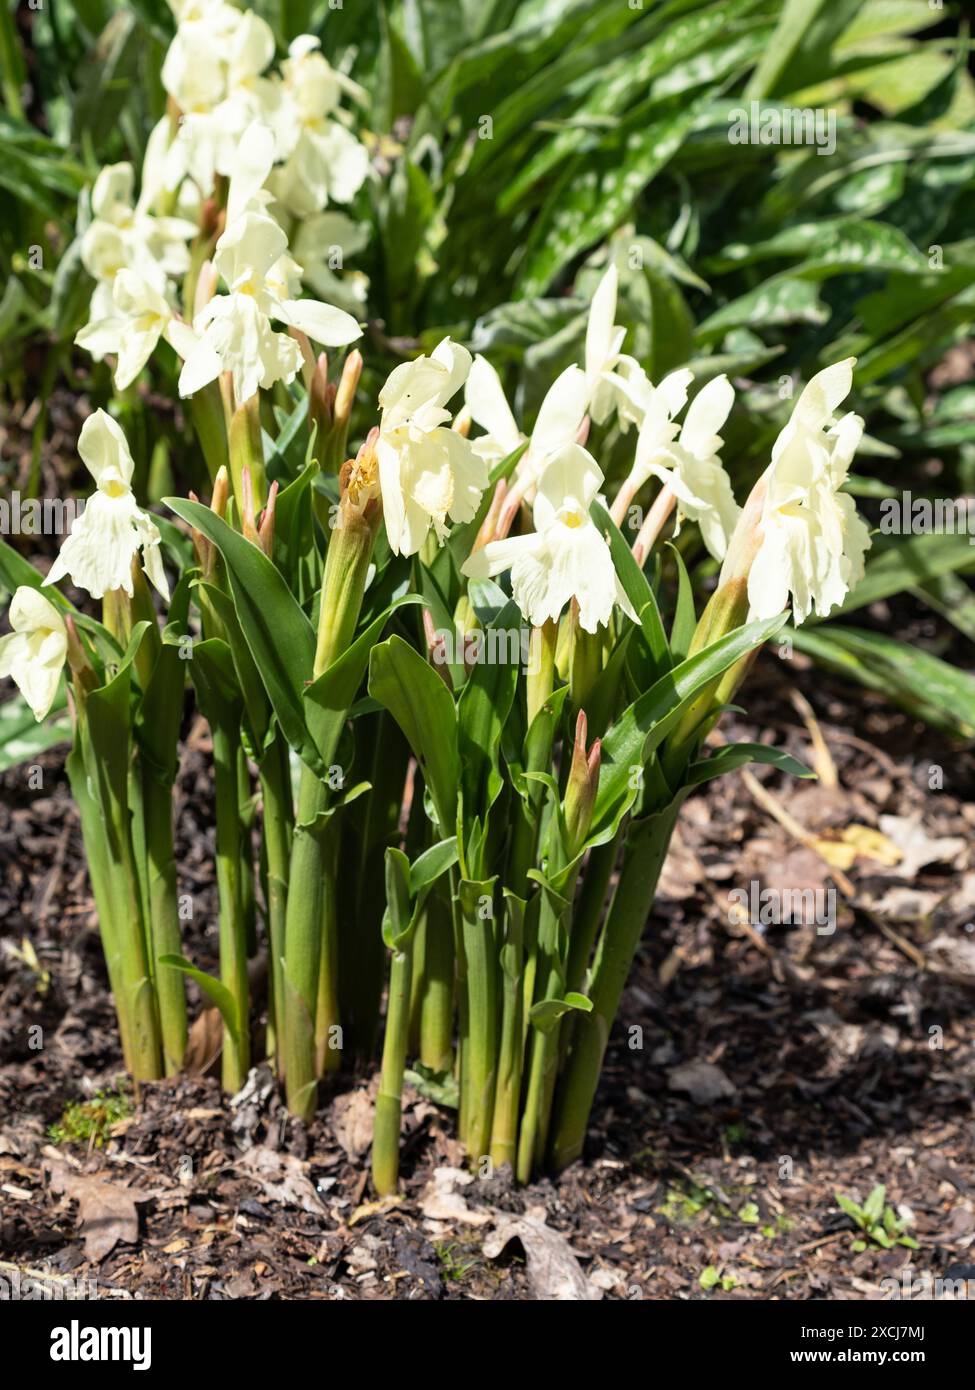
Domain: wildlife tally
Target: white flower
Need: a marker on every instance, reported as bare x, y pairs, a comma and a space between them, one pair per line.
807, 538
566, 557
604, 339
485, 399
557, 424
427, 472
211, 38
113, 528
235, 333
122, 236
33, 654
322, 245
640, 403
690, 466
141, 316
324, 162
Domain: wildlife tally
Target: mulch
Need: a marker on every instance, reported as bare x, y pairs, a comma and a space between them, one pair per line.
757, 1070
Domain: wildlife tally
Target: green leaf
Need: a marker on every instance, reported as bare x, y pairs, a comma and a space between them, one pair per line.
547, 1012
591, 201
433, 862
329, 698
213, 988
278, 633
920, 682
784, 299
735, 755
642, 727
22, 738
685, 617
905, 563
636, 586
424, 709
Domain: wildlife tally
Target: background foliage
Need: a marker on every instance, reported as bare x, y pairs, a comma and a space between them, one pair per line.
515, 144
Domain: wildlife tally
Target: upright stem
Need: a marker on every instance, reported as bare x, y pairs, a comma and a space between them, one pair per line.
644, 854
507, 1096
233, 935
278, 825
164, 930
385, 1142
327, 1017
480, 1054
343, 584
436, 1000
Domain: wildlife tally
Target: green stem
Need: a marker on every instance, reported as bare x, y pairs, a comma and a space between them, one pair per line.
302, 945
385, 1143
507, 1096
209, 424
343, 585
247, 811
233, 935
644, 854
327, 1014
589, 910
164, 930
435, 1002
278, 829
480, 1060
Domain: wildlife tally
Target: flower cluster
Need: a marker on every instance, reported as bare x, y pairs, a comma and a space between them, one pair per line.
249, 157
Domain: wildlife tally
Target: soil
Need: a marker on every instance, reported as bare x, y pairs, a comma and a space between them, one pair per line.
756, 1071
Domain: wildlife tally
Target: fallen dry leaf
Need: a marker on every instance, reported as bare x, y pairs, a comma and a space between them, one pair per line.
352, 1117
554, 1272
106, 1210
282, 1178
858, 842
441, 1200
703, 1081
916, 846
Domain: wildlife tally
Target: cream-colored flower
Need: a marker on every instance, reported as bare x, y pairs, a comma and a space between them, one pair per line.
33, 654
122, 236
141, 317
210, 37
113, 528
234, 329
323, 161
485, 399
566, 556
323, 245
428, 473
604, 338
799, 535
691, 468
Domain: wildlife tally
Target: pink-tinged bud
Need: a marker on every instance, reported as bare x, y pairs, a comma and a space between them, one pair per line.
265, 531
580, 791
81, 668
319, 400
221, 492
348, 384
436, 648
582, 433
206, 287
490, 523
462, 423
247, 522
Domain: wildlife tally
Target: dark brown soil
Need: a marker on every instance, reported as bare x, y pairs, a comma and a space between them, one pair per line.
755, 1071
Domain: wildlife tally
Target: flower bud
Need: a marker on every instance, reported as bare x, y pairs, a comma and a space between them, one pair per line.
580, 791
265, 531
